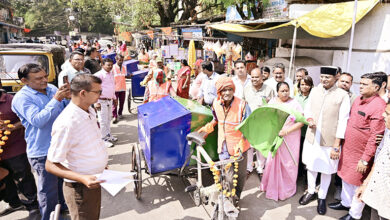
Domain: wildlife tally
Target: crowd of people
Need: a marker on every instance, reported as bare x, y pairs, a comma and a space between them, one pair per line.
346, 136
39, 143
340, 140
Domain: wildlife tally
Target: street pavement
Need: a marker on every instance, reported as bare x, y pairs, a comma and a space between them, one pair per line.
163, 197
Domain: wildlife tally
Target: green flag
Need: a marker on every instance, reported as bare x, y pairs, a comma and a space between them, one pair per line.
262, 127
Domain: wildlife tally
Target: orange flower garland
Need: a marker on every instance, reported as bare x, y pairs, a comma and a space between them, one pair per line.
217, 177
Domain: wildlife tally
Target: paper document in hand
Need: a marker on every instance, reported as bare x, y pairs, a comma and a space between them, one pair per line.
114, 181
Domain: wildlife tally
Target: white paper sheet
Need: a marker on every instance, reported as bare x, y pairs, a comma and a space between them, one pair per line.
115, 181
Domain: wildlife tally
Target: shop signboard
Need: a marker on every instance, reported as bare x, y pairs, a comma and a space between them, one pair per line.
192, 33
276, 9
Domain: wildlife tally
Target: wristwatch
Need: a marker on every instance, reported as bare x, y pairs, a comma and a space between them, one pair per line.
365, 163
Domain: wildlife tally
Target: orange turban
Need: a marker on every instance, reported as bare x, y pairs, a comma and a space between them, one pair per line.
224, 82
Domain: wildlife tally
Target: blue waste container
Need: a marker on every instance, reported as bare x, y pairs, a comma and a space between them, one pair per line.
162, 129
136, 89
131, 66
110, 55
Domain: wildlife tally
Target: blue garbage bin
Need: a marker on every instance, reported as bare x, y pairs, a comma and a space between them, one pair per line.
110, 55
136, 89
162, 129
131, 66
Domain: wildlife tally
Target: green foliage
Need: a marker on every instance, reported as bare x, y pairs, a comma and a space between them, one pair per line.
43, 17
254, 9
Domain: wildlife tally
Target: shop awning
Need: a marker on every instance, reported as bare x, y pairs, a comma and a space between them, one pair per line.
327, 21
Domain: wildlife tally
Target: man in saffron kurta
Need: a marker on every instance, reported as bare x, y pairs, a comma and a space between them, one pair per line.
365, 122
229, 111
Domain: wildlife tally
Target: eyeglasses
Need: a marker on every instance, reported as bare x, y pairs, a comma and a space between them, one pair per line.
99, 92
78, 60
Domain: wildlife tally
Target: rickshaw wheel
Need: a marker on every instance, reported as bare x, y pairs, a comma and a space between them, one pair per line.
129, 101
136, 167
197, 199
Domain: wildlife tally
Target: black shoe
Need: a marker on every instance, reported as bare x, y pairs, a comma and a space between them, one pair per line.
306, 198
347, 217
337, 206
9, 209
321, 207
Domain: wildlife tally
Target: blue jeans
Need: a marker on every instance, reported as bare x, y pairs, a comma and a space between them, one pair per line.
49, 188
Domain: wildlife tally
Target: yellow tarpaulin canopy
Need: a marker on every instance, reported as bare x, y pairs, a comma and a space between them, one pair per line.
330, 20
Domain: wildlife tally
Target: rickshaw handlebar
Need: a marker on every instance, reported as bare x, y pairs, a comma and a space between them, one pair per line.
200, 141
206, 156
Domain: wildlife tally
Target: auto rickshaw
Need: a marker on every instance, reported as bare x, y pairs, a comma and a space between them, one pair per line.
13, 56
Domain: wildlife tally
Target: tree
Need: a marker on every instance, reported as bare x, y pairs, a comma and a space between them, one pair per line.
93, 16
43, 17
254, 7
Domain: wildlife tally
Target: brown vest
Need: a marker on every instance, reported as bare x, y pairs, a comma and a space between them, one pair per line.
331, 103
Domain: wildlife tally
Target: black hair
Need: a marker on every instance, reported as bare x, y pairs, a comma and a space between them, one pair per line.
280, 85
347, 74
29, 68
339, 70
374, 78
239, 61
79, 49
109, 46
308, 80
265, 69
107, 60
83, 82
90, 50
119, 56
303, 70
207, 65
382, 76
184, 62
74, 53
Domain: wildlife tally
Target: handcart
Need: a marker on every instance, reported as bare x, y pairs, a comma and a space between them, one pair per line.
136, 91
163, 148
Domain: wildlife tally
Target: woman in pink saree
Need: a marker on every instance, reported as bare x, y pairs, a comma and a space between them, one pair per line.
280, 174
183, 80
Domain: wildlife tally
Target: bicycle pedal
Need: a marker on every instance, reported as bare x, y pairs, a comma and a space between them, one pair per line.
190, 188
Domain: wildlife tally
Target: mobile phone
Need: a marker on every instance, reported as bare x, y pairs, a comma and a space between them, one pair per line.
65, 79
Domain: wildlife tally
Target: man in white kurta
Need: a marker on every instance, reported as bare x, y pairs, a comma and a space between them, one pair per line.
327, 112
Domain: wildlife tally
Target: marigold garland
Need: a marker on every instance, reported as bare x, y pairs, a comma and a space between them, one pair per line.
4, 133
217, 177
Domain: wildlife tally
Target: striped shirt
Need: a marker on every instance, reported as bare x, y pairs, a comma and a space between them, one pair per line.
77, 142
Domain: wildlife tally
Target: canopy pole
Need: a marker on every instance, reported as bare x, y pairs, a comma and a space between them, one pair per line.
352, 35
292, 50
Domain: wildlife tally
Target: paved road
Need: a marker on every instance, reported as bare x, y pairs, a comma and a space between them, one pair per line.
163, 197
